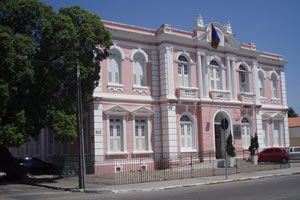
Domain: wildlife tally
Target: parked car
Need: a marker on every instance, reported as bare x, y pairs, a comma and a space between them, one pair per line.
294, 153
37, 166
273, 154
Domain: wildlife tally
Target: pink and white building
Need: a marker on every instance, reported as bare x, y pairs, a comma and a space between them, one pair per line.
167, 90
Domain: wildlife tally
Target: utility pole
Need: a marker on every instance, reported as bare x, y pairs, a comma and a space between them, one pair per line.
81, 161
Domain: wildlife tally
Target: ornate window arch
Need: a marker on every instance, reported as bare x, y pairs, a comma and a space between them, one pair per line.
184, 71
274, 85
115, 66
244, 78
215, 75
261, 83
187, 133
139, 69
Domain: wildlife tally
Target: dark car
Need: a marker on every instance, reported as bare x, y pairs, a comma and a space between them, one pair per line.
37, 166
273, 154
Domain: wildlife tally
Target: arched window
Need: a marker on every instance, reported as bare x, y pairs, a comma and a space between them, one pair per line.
139, 69
183, 72
186, 134
244, 79
215, 75
274, 86
246, 133
261, 83
114, 67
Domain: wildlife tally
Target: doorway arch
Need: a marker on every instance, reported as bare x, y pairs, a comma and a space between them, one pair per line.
221, 134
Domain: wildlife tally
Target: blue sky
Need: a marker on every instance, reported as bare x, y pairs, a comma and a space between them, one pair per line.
273, 25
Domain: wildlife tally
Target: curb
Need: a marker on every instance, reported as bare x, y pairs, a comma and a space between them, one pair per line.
103, 191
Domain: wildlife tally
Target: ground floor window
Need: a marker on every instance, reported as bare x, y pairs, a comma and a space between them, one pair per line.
277, 134
115, 135
246, 133
141, 135
265, 133
186, 133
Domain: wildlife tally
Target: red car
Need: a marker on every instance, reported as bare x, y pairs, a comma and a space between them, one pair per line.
273, 154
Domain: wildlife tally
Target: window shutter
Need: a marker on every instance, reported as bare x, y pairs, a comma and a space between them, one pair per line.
117, 77
109, 77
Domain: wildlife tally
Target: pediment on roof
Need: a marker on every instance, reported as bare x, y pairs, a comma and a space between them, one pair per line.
116, 110
226, 39
142, 112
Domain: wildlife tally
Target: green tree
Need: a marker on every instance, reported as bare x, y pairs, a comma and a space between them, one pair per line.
38, 53
230, 149
292, 113
253, 145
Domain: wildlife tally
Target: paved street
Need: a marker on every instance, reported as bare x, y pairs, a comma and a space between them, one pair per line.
273, 188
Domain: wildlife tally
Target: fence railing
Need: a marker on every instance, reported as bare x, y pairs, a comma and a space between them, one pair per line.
139, 168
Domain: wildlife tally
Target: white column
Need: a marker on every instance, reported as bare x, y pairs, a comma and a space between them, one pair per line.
148, 135
124, 134
255, 83
133, 132
169, 128
205, 72
228, 75
170, 68
223, 77
233, 75
199, 73
283, 88
286, 130
96, 130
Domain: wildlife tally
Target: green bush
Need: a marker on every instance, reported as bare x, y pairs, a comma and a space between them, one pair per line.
253, 145
230, 149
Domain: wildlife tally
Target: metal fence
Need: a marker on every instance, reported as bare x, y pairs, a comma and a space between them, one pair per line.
139, 168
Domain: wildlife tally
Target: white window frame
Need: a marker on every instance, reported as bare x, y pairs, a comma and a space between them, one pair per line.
142, 114
185, 127
280, 137
261, 79
246, 136
266, 136
141, 134
139, 58
184, 72
274, 86
215, 80
114, 55
244, 86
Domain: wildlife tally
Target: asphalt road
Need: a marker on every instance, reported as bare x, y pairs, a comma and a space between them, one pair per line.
275, 188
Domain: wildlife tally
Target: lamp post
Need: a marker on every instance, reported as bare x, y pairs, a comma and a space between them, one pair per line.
81, 161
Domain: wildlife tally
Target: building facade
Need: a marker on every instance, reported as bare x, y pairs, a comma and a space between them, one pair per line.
167, 90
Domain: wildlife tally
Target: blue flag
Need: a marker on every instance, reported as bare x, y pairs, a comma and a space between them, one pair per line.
215, 40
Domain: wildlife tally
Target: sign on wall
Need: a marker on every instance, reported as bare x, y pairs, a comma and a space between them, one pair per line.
237, 131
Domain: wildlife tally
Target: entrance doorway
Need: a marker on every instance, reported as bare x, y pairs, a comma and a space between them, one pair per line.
220, 134
218, 141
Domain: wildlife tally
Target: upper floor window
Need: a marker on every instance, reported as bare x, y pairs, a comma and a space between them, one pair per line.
215, 76
274, 86
183, 72
186, 133
261, 83
139, 69
114, 67
244, 79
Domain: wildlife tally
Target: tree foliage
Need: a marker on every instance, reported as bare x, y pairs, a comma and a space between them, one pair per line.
38, 53
292, 113
230, 149
254, 145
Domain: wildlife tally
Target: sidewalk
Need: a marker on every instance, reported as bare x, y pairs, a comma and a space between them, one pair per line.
71, 183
